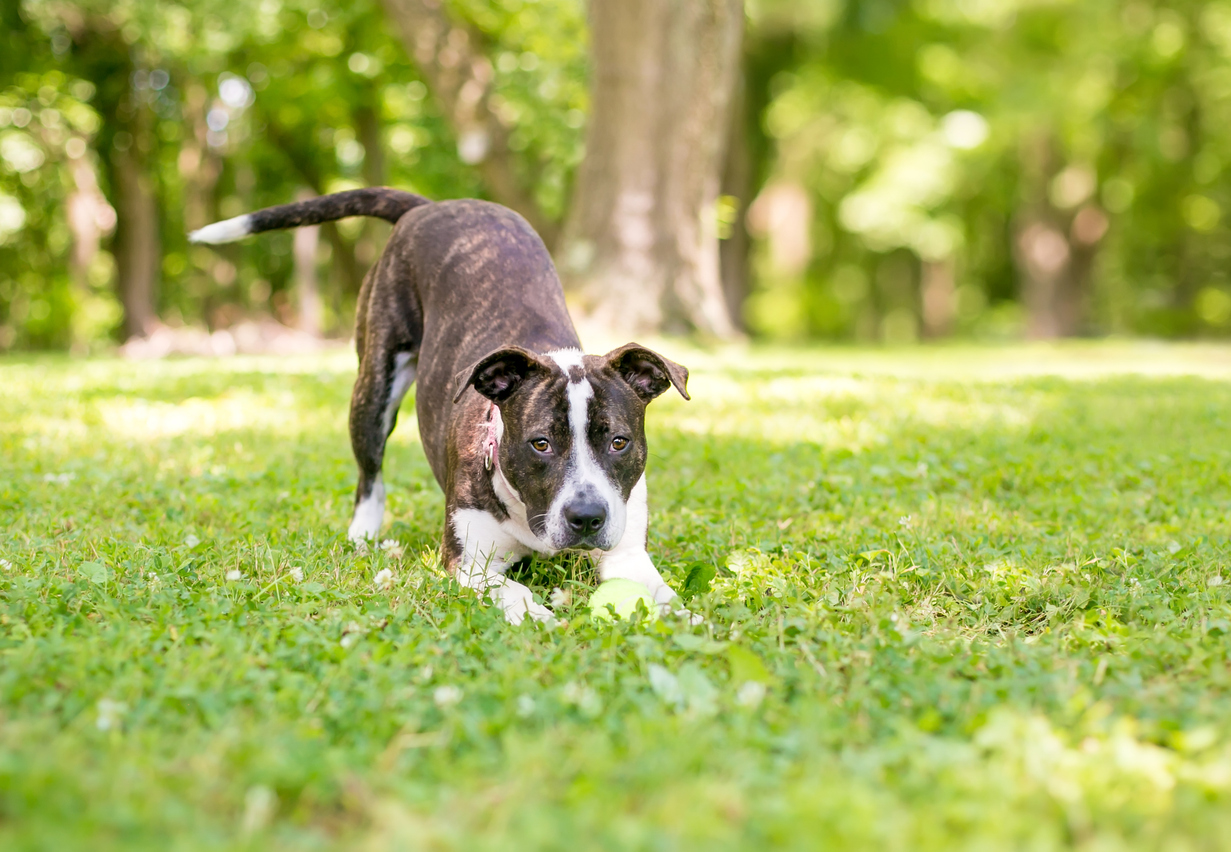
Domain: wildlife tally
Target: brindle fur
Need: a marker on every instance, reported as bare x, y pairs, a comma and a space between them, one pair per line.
379, 201
467, 290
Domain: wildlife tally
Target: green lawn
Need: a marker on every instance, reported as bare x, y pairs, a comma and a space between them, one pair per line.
965, 598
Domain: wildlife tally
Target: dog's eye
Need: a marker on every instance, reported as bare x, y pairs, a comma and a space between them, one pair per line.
541, 445
619, 442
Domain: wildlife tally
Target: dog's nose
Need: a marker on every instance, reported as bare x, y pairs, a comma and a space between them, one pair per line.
585, 518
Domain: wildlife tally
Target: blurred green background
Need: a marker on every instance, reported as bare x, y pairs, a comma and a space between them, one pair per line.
899, 170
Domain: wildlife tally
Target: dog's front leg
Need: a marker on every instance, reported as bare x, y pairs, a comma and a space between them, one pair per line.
629, 560
480, 551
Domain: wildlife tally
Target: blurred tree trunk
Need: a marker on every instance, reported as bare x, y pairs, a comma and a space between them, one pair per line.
342, 251
138, 250
640, 247
89, 218
459, 76
199, 167
304, 242
735, 246
938, 298
126, 143
367, 130
1055, 244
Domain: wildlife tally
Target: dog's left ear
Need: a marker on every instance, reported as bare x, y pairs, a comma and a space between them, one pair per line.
498, 375
647, 372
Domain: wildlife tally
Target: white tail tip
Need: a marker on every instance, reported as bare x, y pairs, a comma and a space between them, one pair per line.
226, 231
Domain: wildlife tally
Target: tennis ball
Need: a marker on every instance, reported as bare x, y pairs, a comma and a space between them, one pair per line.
623, 596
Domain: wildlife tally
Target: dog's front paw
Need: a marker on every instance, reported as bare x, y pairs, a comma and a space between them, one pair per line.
693, 618
516, 602
675, 607
516, 612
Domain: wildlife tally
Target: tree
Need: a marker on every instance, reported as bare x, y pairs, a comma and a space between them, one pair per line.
449, 54
639, 248
640, 243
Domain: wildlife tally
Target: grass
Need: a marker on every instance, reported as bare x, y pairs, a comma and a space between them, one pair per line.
957, 599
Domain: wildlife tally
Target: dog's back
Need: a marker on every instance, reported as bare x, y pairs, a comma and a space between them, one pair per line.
483, 279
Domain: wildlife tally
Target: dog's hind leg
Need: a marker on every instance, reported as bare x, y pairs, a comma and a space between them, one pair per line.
384, 378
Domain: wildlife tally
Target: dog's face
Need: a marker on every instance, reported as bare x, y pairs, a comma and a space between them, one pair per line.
574, 434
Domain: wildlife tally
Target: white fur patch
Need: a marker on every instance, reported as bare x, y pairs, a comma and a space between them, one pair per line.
403, 377
369, 514
226, 231
584, 477
566, 358
629, 560
489, 547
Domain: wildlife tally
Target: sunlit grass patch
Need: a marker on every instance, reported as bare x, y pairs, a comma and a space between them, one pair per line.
955, 598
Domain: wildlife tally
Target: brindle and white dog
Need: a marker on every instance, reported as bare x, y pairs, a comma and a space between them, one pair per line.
538, 447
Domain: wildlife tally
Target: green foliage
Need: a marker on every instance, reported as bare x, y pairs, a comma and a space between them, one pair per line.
310, 87
930, 132
957, 598
45, 120
896, 146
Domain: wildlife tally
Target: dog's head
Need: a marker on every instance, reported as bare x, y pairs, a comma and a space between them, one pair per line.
574, 434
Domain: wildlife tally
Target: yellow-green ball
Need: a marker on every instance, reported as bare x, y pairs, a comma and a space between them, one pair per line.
623, 595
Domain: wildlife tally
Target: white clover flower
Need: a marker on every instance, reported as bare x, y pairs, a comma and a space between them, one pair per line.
191, 540
110, 713
6, 565
583, 697
383, 579
235, 574
297, 574
260, 805
392, 547
351, 634
560, 597
152, 578
447, 695
751, 694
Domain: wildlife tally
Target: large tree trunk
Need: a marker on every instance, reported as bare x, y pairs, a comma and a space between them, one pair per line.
126, 142
1055, 258
346, 267
367, 129
460, 77
138, 249
735, 246
199, 167
1056, 241
640, 244
938, 298
311, 313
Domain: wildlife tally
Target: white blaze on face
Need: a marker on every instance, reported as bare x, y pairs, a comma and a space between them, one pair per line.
566, 358
584, 478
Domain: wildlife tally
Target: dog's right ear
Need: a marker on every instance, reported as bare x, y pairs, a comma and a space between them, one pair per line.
499, 374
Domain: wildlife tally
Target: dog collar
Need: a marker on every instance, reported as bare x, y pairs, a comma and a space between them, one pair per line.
491, 438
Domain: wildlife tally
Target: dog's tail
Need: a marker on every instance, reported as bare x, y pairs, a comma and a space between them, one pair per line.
379, 201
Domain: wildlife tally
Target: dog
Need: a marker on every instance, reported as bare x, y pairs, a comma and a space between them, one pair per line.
538, 448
